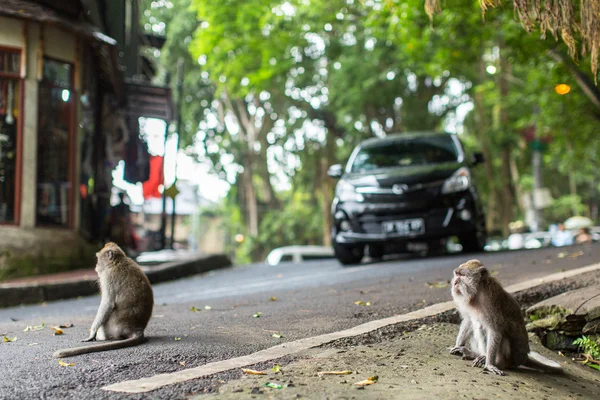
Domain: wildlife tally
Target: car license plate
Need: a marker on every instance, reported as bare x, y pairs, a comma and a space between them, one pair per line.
407, 227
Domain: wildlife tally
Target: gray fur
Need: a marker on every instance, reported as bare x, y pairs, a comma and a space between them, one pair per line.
125, 306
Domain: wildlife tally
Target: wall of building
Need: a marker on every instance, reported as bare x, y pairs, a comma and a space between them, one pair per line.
27, 249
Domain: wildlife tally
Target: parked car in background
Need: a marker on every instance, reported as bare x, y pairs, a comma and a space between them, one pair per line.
406, 189
298, 254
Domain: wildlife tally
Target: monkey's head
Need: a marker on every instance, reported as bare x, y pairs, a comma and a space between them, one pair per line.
109, 254
467, 278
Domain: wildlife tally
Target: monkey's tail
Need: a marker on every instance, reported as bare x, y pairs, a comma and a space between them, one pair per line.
539, 362
117, 344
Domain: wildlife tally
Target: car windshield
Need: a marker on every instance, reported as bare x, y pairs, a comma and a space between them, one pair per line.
406, 153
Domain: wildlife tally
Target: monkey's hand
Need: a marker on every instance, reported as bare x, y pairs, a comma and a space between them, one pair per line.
457, 350
493, 369
479, 362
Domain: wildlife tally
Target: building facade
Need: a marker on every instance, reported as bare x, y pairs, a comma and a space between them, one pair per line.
72, 88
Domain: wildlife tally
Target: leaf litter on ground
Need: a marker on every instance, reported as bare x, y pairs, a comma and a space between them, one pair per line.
257, 315
194, 309
30, 328
7, 339
277, 335
369, 381
253, 372
57, 330
438, 284
64, 326
207, 307
277, 368
362, 303
64, 364
347, 372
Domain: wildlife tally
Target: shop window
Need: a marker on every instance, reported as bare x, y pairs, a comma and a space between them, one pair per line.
55, 133
10, 120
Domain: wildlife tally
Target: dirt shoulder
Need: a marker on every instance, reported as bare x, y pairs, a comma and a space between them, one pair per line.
413, 365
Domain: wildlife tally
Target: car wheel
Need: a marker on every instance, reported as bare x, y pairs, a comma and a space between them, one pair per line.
349, 255
376, 251
473, 242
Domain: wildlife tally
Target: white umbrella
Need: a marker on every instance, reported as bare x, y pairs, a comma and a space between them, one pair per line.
578, 222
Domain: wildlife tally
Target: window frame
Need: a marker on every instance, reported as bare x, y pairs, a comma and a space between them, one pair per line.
17, 77
70, 148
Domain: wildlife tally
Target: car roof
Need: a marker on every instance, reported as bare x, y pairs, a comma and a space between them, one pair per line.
395, 137
301, 249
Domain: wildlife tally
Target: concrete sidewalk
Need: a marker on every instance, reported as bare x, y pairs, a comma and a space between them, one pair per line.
411, 365
82, 282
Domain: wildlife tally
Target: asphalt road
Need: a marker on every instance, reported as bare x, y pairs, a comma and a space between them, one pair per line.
308, 299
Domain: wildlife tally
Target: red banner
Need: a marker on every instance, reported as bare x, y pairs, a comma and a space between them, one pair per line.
156, 178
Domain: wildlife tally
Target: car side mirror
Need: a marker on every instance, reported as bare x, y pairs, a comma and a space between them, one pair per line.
335, 171
478, 158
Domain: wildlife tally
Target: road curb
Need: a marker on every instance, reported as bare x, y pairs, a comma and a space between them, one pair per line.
31, 293
149, 384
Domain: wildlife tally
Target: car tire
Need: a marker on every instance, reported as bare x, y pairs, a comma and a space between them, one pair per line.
376, 251
473, 242
349, 255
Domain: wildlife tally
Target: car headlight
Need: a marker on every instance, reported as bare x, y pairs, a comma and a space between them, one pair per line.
347, 192
459, 181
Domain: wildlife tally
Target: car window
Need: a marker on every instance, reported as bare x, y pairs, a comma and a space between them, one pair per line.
286, 258
309, 257
406, 153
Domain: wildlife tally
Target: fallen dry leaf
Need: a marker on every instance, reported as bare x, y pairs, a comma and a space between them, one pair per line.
207, 307
194, 309
273, 298
182, 363
177, 339
362, 303
577, 254
369, 381
257, 315
57, 330
277, 335
7, 339
30, 328
66, 326
253, 372
335, 373
562, 254
438, 284
64, 364
277, 368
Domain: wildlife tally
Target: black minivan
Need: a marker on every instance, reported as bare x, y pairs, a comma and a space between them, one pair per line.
402, 190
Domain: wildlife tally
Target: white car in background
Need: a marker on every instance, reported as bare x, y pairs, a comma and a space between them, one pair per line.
298, 254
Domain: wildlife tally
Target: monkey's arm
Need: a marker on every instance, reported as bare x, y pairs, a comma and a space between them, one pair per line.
106, 306
465, 330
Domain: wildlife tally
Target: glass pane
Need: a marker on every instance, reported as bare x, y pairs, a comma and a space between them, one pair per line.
57, 73
10, 62
406, 152
9, 115
53, 183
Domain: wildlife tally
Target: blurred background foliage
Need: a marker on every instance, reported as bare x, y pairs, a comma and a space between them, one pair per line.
277, 91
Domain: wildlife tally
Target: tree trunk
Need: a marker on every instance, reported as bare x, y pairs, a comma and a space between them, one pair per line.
327, 188
507, 190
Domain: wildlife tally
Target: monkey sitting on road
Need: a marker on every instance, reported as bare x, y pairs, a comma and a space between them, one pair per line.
125, 306
492, 324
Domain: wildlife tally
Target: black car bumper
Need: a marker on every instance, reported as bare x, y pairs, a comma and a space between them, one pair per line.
444, 216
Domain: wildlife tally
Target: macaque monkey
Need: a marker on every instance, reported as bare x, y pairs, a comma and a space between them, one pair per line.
125, 306
492, 324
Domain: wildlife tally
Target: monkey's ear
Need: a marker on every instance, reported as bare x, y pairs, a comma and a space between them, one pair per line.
484, 272
110, 254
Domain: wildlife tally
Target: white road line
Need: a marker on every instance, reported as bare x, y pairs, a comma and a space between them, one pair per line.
152, 383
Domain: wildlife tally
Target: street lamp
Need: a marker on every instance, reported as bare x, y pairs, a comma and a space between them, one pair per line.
562, 88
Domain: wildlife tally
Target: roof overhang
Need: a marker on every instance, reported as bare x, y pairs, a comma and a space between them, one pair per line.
105, 46
146, 100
